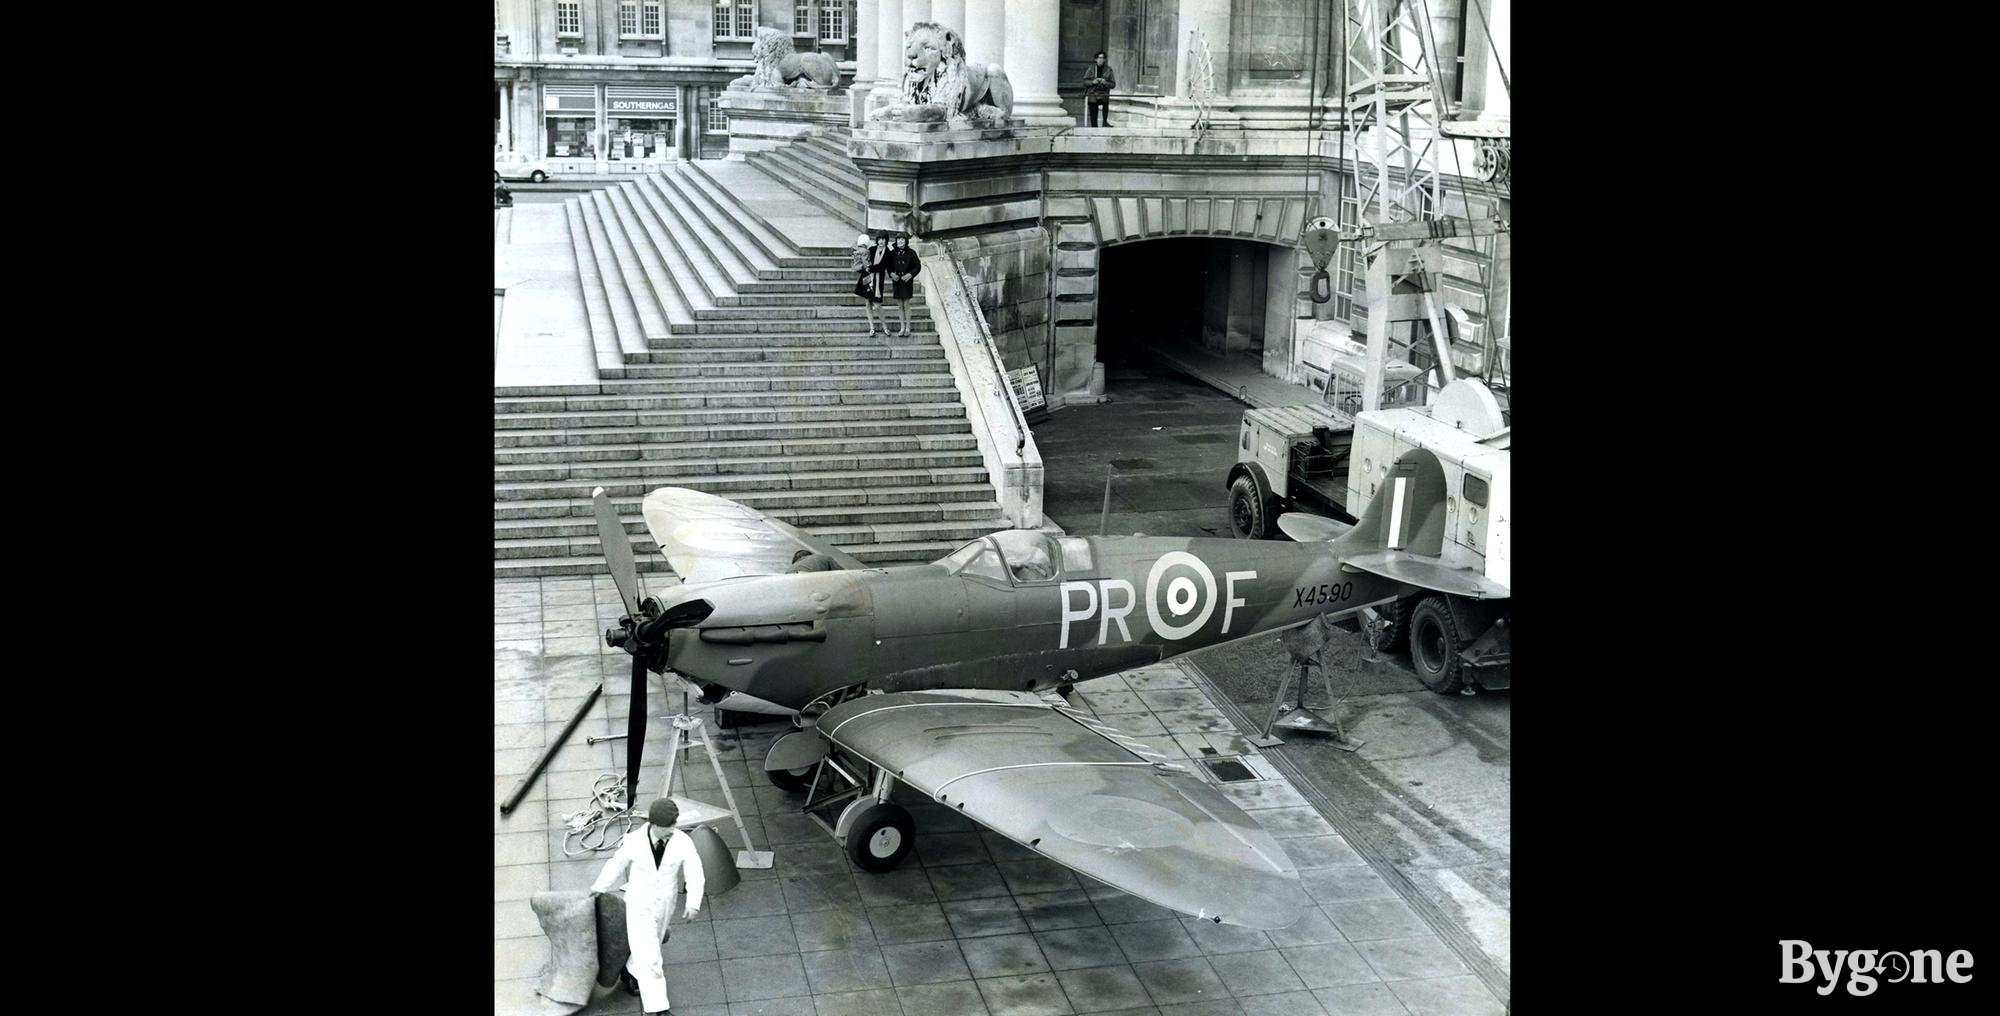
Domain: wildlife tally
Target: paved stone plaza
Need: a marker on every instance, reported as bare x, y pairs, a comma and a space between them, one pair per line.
971, 923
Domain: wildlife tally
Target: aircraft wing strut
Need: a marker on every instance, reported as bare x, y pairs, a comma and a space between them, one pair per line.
1080, 793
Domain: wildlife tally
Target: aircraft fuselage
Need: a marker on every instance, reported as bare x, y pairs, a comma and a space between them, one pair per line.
1129, 601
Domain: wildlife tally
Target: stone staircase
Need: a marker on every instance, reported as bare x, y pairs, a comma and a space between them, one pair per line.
819, 170
732, 361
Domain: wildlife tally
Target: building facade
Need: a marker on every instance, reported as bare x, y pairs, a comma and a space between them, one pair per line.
619, 86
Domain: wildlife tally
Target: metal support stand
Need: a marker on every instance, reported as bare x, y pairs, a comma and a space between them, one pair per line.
1305, 647
688, 729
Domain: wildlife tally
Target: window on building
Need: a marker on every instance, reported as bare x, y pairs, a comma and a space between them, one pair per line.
802, 17
1343, 282
833, 21
639, 19
736, 20
569, 17
718, 119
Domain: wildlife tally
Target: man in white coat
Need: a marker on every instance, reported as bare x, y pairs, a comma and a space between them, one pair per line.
653, 866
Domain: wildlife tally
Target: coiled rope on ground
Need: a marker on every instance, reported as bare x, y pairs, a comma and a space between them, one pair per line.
602, 825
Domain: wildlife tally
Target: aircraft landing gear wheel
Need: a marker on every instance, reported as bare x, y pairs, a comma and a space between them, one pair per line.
1249, 509
881, 836
792, 780
1434, 646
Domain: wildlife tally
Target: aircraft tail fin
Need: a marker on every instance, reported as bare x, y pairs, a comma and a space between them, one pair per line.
1400, 534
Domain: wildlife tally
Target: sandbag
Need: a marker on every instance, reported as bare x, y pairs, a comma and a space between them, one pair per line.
570, 922
613, 947
718, 862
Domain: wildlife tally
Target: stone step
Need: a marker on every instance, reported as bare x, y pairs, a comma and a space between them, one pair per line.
900, 352
955, 500
779, 324
691, 264
754, 244
762, 401
823, 310
634, 305
642, 469
802, 340
882, 555
747, 217
565, 420
769, 446
718, 385
809, 519
799, 175
597, 309
848, 538
781, 369
571, 438
730, 485
650, 274
715, 263
828, 160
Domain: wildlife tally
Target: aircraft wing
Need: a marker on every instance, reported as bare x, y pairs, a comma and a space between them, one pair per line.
706, 537
1067, 787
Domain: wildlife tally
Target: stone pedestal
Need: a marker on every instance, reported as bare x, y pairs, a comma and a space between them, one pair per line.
764, 120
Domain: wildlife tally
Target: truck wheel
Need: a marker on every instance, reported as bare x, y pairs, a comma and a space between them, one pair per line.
881, 836
1435, 642
1399, 625
1249, 509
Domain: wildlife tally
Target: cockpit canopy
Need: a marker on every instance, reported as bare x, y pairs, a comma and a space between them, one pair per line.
1017, 556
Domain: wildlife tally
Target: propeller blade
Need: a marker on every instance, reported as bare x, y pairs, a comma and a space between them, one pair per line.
635, 732
617, 550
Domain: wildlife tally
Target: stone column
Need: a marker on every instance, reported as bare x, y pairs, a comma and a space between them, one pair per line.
985, 31
1485, 91
1030, 59
889, 44
950, 14
1212, 17
866, 40
915, 11
506, 116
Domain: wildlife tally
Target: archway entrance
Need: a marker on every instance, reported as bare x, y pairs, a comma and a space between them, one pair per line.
1218, 295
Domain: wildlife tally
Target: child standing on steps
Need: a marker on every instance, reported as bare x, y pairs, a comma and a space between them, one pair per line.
869, 261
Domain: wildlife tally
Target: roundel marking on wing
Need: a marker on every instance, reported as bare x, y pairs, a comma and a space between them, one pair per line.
1117, 822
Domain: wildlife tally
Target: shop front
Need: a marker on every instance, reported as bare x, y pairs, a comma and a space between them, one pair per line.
642, 126
570, 128
597, 129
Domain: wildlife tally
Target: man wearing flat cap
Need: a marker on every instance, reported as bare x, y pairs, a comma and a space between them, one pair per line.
653, 864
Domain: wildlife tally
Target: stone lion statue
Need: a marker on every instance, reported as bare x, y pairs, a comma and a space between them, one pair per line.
778, 66
938, 85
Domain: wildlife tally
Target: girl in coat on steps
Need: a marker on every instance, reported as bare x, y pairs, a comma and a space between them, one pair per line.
869, 261
903, 267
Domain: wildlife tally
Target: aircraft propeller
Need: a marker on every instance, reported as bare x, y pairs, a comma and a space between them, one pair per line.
642, 631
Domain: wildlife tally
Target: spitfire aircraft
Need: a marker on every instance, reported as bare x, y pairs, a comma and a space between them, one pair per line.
929, 675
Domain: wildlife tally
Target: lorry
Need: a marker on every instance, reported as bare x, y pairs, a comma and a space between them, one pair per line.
1455, 452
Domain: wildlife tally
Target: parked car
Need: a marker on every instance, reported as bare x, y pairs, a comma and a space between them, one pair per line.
502, 197
533, 169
